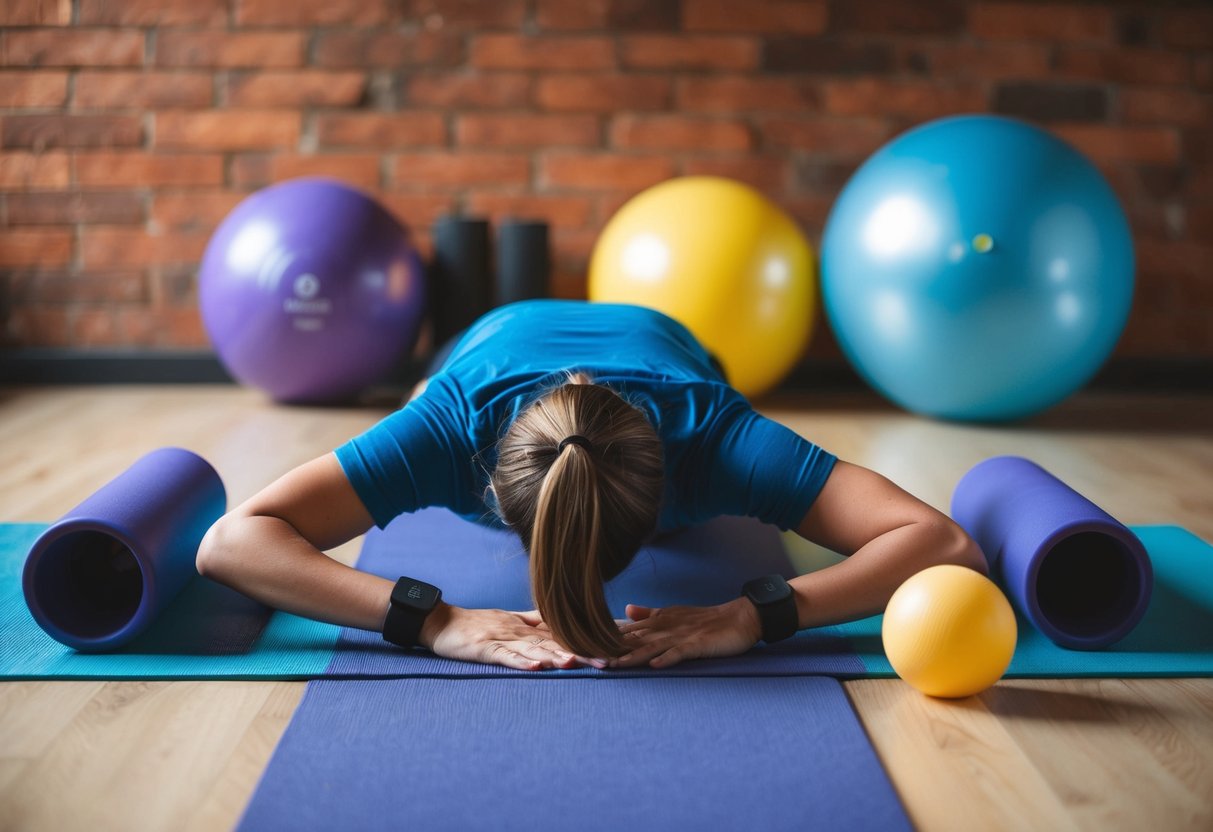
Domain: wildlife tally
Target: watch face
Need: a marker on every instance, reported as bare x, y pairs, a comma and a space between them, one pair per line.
767, 590
417, 594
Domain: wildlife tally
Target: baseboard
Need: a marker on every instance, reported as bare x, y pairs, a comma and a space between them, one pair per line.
50, 366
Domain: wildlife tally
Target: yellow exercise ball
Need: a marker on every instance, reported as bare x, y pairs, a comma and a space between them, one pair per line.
949, 631
723, 260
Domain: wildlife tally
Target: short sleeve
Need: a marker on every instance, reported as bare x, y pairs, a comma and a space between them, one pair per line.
756, 467
414, 458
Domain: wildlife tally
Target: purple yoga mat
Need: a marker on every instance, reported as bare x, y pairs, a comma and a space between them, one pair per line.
539, 754
480, 567
1080, 576
102, 573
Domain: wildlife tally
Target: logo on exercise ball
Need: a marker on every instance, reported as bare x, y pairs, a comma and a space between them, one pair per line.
305, 308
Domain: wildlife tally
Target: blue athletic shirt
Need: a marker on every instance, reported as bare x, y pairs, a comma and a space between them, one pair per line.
721, 457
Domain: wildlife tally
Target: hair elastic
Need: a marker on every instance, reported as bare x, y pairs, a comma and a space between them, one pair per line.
575, 439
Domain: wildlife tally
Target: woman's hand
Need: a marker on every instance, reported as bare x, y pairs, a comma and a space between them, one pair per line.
520, 640
664, 637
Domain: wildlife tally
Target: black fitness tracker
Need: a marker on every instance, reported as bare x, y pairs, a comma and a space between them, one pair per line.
776, 606
412, 601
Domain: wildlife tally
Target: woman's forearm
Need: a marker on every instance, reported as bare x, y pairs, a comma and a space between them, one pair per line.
266, 559
862, 584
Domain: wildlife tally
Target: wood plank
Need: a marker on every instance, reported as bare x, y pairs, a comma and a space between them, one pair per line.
953, 762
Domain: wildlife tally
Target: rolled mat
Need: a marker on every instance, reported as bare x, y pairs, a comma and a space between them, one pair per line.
624, 754
1081, 577
101, 574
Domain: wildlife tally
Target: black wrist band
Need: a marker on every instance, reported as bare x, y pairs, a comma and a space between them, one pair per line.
776, 605
411, 603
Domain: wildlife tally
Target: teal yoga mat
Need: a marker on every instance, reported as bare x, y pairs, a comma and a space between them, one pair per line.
1174, 639
208, 632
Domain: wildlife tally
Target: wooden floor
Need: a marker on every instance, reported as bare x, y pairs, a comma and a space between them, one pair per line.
1098, 754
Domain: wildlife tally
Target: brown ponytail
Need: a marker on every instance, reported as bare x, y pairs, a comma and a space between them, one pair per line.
582, 508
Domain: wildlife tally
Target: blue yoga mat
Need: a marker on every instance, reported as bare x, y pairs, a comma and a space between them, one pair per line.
211, 633
538, 754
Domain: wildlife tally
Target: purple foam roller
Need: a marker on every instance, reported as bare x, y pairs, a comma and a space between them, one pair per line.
102, 573
1082, 578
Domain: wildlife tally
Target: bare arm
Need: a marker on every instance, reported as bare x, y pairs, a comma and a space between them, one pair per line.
888, 536
271, 548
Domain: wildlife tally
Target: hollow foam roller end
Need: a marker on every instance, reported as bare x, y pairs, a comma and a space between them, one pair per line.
102, 573
1080, 576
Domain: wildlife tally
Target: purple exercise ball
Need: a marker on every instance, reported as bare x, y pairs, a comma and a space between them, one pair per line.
311, 290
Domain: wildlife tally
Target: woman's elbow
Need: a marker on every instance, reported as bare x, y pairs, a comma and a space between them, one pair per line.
951, 544
216, 556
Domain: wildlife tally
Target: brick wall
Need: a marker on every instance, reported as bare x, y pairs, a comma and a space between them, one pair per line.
130, 127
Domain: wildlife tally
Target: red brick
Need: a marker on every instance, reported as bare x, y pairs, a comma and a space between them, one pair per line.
1198, 220
151, 90
36, 13
33, 89
688, 52
153, 12
40, 132
225, 130
1041, 21
309, 88
35, 247
765, 174
261, 169
680, 133
801, 17
311, 12
191, 48
62, 287
192, 212
1106, 144
561, 14
102, 247
20, 170
853, 138
386, 48
481, 91
68, 207
527, 130
477, 14
894, 17
1166, 106
1123, 64
557, 211
39, 326
987, 60
1202, 72
626, 15
810, 212
389, 130
417, 212
732, 94
66, 47
444, 170
827, 55
522, 52
118, 170
603, 93
604, 171
1186, 28
915, 99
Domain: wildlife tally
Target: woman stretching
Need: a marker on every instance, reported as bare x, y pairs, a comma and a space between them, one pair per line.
584, 428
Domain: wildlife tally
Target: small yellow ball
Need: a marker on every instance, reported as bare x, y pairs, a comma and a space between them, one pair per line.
949, 631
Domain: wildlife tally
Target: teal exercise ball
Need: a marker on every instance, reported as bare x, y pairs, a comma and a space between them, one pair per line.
977, 268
